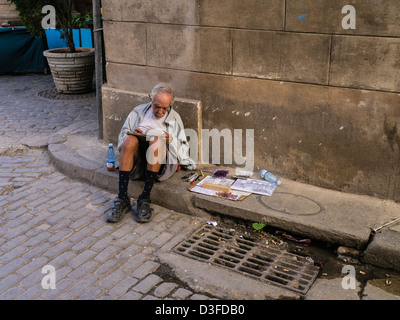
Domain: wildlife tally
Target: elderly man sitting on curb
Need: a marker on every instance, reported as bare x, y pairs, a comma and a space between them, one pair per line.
151, 143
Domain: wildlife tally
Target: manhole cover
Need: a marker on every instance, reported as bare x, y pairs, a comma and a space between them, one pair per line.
249, 257
53, 94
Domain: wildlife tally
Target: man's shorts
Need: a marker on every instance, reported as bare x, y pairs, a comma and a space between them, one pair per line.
140, 166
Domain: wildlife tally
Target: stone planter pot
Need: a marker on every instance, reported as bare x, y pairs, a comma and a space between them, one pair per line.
72, 72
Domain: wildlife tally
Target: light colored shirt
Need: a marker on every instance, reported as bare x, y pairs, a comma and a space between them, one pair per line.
151, 122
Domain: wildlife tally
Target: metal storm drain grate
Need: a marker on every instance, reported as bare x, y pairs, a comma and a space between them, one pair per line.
248, 256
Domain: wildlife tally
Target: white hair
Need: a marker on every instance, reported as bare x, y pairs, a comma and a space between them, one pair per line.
162, 87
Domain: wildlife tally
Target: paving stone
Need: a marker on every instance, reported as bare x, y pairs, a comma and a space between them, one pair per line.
134, 262
132, 295
146, 238
29, 268
11, 293
107, 253
12, 266
35, 251
148, 283
150, 297
129, 252
9, 281
82, 285
164, 289
30, 293
62, 259
13, 243
61, 287
112, 279
161, 239
92, 293
81, 258
12, 254
145, 269
83, 270
182, 294
122, 287
57, 249
199, 297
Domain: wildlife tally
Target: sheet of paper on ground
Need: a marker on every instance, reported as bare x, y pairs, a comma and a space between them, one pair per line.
254, 186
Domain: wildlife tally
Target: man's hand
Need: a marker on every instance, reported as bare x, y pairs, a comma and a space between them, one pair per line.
168, 138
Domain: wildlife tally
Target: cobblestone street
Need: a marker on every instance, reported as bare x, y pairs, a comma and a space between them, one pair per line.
47, 219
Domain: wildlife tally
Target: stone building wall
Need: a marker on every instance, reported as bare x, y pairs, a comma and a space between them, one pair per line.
324, 101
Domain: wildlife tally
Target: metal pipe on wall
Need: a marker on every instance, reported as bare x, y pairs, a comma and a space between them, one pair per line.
97, 38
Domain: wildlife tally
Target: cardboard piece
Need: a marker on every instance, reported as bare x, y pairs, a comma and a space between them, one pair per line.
216, 187
216, 184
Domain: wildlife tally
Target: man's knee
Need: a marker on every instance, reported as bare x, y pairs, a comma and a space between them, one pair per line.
156, 141
131, 143
157, 151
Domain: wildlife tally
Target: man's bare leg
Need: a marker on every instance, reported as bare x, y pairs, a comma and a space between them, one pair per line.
128, 153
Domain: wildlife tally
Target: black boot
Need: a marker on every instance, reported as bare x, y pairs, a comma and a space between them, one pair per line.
120, 207
142, 210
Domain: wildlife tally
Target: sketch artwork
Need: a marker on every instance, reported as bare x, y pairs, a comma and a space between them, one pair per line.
254, 186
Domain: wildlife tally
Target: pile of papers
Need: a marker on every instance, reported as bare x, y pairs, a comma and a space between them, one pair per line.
232, 189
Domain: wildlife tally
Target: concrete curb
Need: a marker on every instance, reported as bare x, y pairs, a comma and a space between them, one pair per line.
384, 250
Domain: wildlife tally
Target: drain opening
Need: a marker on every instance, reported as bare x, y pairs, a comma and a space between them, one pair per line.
249, 257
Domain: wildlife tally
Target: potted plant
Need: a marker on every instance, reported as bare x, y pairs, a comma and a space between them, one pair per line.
72, 67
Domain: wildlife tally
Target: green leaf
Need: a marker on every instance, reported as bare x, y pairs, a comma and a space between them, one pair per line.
258, 225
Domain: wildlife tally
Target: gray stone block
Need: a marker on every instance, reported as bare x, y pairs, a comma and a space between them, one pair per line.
383, 251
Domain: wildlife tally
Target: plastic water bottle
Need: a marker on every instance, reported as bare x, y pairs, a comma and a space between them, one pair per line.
269, 177
110, 158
